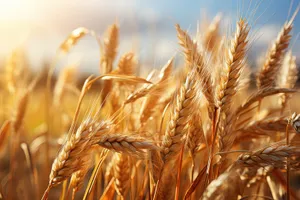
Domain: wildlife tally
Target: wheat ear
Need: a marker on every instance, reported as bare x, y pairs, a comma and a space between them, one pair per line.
179, 119
288, 77
108, 55
233, 67
195, 134
109, 170
22, 104
195, 59
229, 80
134, 145
126, 65
66, 77
245, 168
73, 38
267, 74
122, 175
266, 126
270, 156
152, 100
74, 150
77, 178
212, 36
259, 95
109, 50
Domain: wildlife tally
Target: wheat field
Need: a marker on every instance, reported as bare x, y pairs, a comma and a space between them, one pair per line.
200, 127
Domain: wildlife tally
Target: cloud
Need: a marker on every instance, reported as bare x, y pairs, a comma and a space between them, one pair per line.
266, 34
165, 48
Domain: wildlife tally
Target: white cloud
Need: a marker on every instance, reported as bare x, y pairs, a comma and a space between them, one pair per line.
266, 34
165, 48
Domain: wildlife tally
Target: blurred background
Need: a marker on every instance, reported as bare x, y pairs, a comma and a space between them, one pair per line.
147, 27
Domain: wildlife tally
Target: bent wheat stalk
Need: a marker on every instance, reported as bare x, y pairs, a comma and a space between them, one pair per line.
176, 130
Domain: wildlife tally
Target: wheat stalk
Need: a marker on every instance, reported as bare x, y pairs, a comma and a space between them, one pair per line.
229, 82
177, 129
190, 48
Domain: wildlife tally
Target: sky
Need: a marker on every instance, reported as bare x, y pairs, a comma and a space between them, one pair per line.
39, 26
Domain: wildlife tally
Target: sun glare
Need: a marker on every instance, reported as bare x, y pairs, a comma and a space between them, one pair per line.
16, 19
14, 9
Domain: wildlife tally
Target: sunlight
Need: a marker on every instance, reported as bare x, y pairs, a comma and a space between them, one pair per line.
14, 9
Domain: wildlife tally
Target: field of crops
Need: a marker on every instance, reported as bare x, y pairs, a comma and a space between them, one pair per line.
205, 125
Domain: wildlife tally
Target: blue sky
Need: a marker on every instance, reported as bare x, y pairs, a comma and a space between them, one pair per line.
189, 11
40, 26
